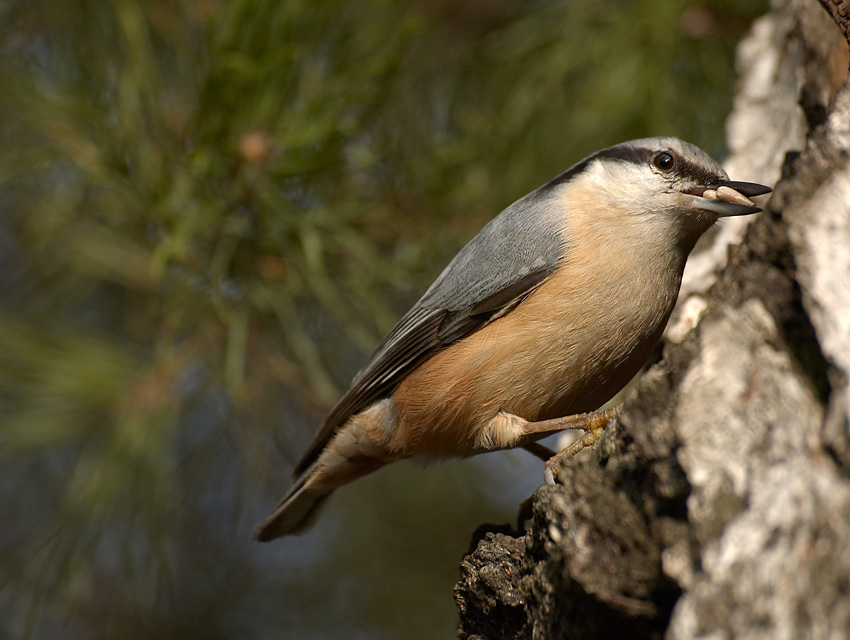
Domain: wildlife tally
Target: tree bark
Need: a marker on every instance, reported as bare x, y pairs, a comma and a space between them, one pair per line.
718, 504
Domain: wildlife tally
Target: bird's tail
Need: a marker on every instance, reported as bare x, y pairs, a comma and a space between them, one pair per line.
297, 511
299, 508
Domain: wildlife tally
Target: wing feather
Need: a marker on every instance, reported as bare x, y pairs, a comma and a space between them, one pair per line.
514, 253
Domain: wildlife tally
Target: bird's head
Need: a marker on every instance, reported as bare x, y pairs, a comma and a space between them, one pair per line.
666, 184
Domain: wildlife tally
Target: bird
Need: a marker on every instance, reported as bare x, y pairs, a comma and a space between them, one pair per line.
536, 323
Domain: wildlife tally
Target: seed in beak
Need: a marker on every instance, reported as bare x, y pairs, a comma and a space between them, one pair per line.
710, 194
727, 194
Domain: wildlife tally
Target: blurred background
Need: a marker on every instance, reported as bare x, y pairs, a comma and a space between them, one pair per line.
210, 212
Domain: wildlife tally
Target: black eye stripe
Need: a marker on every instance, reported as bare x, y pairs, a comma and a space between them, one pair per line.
644, 156
683, 168
697, 173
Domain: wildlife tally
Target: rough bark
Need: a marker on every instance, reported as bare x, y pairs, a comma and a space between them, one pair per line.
718, 504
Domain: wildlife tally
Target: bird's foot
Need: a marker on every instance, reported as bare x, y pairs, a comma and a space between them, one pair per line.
506, 431
593, 424
587, 422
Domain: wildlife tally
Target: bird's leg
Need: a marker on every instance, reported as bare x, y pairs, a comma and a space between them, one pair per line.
545, 453
593, 424
596, 423
506, 431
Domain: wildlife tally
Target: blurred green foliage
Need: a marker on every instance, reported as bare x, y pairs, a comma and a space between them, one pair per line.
209, 213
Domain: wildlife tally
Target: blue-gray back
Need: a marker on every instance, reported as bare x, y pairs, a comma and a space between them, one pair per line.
512, 255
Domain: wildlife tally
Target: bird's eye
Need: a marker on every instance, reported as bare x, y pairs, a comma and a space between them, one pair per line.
664, 160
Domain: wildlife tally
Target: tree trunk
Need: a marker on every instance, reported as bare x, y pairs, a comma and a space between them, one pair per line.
718, 504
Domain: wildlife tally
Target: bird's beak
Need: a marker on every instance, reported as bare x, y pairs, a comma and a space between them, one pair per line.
728, 198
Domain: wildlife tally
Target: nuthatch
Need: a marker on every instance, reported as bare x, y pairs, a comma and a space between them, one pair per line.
548, 312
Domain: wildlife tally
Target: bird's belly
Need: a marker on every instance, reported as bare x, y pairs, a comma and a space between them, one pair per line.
555, 354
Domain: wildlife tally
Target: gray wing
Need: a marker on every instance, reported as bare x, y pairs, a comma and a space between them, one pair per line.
511, 256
